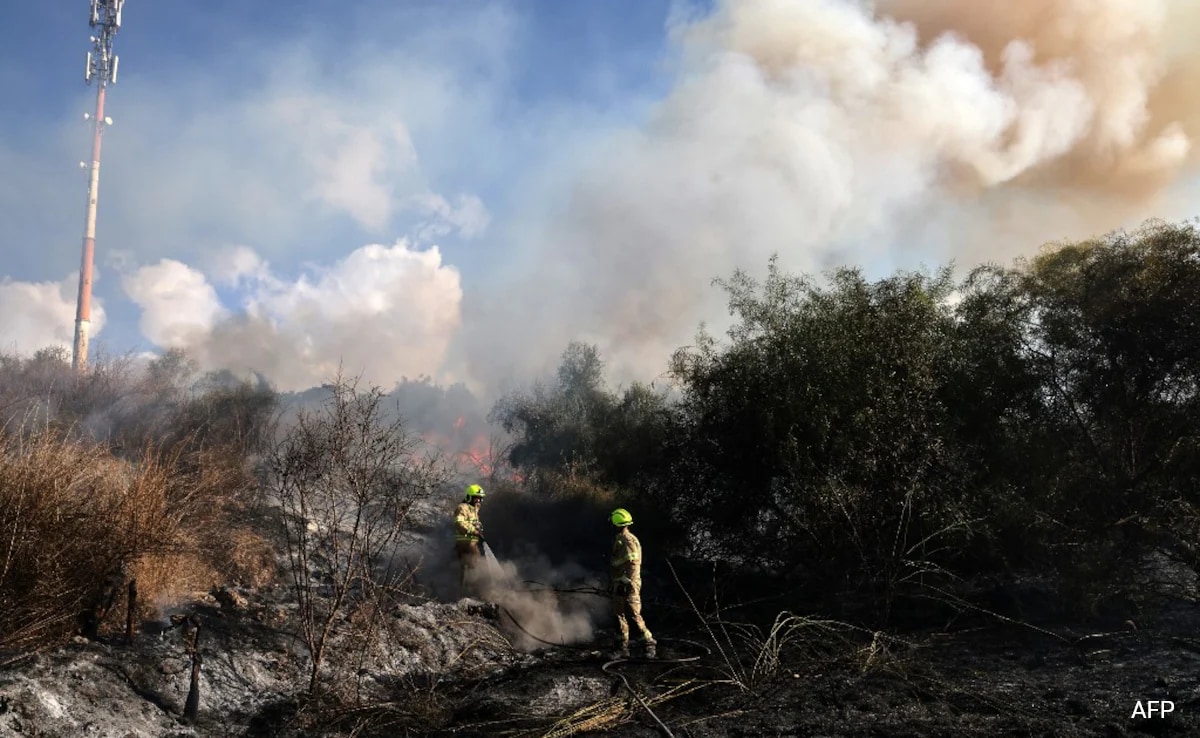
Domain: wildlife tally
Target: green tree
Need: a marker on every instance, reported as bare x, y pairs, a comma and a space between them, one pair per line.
1114, 336
820, 427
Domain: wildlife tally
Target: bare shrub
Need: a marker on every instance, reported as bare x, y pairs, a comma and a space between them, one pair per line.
345, 478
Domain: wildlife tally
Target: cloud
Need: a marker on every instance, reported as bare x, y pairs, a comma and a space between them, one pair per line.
41, 314
304, 144
382, 311
179, 306
235, 264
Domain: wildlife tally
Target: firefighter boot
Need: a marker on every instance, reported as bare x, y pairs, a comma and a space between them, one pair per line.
651, 649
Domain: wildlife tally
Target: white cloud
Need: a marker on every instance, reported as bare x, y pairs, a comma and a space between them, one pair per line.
41, 314
383, 311
289, 153
178, 304
235, 264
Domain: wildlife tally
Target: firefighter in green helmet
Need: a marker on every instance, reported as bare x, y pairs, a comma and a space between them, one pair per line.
468, 535
626, 576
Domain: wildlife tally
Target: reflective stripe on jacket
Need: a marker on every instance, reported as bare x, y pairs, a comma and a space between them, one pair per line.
466, 522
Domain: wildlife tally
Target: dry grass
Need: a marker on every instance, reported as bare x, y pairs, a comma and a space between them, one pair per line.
247, 558
76, 523
609, 713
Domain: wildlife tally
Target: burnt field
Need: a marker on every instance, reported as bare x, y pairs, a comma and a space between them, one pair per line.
467, 669
975, 673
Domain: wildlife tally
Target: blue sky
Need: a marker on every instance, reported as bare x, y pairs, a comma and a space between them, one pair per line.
459, 188
522, 69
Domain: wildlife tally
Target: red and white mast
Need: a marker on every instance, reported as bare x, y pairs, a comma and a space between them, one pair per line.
105, 20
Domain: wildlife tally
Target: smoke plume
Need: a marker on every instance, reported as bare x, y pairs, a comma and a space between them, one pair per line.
536, 618
835, 133
831, 132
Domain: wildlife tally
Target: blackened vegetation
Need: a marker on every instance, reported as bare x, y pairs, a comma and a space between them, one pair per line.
346, 479
880, 441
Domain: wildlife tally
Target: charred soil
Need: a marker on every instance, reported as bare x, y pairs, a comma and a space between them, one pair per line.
447, 670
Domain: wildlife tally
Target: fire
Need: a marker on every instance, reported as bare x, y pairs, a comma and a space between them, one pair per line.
477, 456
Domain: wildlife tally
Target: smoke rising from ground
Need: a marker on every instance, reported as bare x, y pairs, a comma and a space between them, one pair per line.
833, 134
535, 618
543, 617
540, 545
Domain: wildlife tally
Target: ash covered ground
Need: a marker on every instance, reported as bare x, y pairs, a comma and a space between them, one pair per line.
439, 664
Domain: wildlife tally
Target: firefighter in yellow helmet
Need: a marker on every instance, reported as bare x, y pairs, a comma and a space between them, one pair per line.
468, 534
626, 576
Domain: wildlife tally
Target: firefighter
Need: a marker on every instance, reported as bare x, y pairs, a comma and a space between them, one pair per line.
468, 534
626, 578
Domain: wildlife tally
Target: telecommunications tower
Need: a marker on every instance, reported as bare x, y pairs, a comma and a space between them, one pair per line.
105, 20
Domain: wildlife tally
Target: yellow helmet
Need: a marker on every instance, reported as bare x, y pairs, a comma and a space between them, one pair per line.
621, 517
475, 490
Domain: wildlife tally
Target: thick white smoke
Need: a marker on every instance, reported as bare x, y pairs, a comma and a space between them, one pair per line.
179, 306
829, 131
834, 132
383, 311
41, 314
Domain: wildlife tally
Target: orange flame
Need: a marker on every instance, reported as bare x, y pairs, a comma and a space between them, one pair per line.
478, 457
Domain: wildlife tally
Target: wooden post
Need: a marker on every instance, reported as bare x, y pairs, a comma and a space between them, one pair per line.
192, 706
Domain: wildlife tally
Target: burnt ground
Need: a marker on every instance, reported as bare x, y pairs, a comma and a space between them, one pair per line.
1000, 679
985, 678
450, 669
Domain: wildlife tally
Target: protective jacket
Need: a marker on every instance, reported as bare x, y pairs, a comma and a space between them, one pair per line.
627, 559
467, 527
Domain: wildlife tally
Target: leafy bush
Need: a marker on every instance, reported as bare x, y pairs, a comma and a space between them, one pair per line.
871, 435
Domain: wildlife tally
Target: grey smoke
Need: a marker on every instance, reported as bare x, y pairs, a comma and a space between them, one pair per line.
840, 132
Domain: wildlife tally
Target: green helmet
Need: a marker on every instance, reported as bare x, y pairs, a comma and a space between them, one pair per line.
621, 517
475, 490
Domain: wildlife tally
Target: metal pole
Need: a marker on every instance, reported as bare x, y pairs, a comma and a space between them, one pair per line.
105, 20
83, 308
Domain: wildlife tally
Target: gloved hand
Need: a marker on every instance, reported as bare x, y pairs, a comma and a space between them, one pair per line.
622, 589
